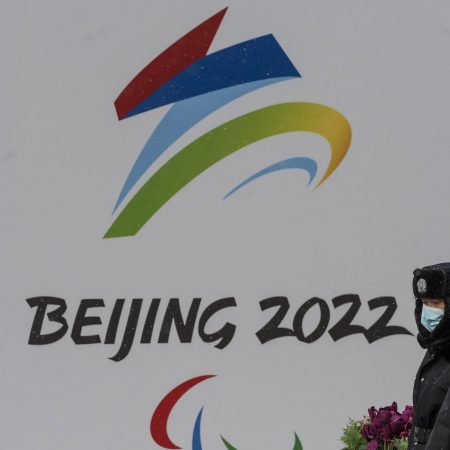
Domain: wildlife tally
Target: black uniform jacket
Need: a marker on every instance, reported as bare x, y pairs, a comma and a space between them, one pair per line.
431, 396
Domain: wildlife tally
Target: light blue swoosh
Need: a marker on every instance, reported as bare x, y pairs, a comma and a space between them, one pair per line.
307, 164
179, 119
196, 438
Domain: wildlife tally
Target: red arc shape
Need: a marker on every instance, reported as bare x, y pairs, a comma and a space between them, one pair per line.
188, 49
158, 422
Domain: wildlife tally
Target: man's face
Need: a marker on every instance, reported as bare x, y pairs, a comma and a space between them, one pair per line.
438, 303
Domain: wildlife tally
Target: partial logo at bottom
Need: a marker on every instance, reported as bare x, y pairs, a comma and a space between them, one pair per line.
158, 422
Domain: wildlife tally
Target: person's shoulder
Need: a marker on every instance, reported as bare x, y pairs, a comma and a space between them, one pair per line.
427, 357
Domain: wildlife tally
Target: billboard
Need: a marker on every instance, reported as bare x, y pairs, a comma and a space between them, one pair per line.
211, 214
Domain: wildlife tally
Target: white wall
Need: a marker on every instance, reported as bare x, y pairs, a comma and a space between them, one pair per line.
63, 159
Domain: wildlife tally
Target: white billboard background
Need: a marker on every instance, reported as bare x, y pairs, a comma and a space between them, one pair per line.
64, 157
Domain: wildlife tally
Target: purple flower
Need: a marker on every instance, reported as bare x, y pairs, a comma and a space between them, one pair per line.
386, 424
366, 431
372, 412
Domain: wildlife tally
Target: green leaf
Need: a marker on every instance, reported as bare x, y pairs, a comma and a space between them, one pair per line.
352, 437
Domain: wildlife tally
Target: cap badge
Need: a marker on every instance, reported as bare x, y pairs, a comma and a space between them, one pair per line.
422, 286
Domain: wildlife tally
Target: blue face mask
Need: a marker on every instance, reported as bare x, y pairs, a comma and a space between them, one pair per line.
431, 317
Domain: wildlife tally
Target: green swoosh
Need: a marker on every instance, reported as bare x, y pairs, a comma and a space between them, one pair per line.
227, 444
297, 444
224, 140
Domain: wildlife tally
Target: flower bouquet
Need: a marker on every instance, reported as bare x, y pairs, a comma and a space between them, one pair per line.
384, 429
